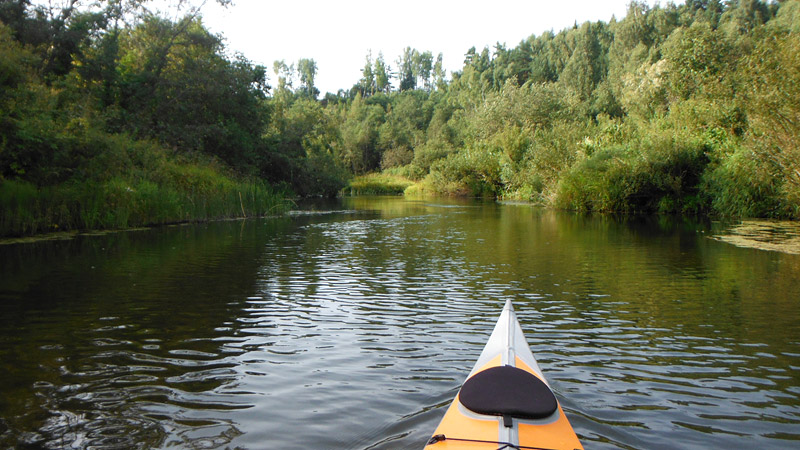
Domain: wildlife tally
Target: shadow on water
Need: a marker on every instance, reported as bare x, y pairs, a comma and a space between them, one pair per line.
106, 339
352, 324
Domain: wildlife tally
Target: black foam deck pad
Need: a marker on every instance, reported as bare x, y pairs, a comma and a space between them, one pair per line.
508, 391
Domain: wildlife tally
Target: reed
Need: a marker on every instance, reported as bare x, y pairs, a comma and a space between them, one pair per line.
120, 203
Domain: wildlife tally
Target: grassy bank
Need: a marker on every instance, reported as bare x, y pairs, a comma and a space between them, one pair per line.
378, 184
118, 203
134, 184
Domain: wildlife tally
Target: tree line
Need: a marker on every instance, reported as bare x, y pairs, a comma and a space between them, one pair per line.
689, 109
675, 109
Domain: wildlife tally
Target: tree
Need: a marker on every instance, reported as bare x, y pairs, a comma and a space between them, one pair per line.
586, 67
308, 72
439, 74
59, 31
540, 68
405, 70
709, 11
423, 65
286, 75
26, 119
360, 152
190, 97
382, 72
367, 85
404, 127
699, 61
745, 16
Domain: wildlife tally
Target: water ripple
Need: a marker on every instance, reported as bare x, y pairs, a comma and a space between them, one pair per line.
354, 329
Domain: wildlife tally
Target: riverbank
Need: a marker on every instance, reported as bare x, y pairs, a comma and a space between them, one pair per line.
378, 184
156, 189
120, 204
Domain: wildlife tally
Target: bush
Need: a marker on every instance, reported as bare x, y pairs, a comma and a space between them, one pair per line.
662, 175
475, 171
738, 185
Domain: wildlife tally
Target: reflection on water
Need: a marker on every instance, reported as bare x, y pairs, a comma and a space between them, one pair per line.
351, 326
773, 235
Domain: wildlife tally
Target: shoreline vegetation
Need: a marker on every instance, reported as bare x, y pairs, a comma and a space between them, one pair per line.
119, 204
378, 184
114, 118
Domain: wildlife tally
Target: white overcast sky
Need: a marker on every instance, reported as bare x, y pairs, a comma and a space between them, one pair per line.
338, 34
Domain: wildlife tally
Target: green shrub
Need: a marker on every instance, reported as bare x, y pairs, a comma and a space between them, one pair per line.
738, 185
475, 171
662, 175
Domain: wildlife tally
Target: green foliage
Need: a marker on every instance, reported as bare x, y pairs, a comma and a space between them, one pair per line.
773, 70
699, 61
83, 140
738, 185
14, 60
529, 106
673, 109
308, 72
305, 141
176, 86
663, 176
360, 133
415, 69
475, 171
587, 66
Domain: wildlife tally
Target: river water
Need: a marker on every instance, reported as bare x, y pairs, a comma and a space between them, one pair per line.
351, 325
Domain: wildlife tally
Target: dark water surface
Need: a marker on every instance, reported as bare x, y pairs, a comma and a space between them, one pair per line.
352, 327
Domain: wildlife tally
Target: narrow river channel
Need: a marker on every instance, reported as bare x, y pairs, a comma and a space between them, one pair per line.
352, 324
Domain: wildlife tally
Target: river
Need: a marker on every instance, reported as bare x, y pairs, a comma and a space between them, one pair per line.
352, 324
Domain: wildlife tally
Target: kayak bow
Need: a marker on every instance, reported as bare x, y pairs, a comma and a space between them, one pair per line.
505, 401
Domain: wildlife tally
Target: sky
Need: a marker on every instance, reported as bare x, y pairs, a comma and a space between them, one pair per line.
338, 34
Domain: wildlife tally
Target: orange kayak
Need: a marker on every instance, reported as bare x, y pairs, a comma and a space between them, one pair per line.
505, 403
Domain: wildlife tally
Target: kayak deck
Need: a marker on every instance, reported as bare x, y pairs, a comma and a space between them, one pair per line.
512, 398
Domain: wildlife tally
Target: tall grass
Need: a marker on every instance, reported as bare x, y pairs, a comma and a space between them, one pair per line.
378, 184
122, 203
